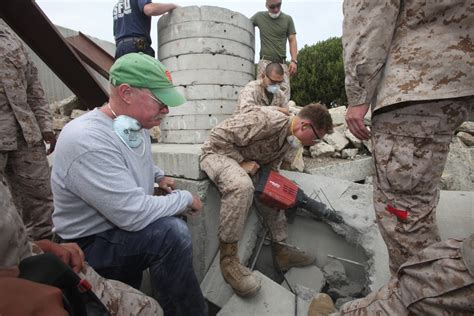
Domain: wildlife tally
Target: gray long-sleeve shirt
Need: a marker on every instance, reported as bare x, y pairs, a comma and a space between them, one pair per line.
99, 183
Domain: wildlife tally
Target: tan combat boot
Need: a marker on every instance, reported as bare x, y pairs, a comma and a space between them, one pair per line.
239, 277
288, 257
321, 305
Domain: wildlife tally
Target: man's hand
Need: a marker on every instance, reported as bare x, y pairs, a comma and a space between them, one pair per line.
251, 167
70, 253
292, 68
196, 206
167, 184
284, 110
50, 138
355, 121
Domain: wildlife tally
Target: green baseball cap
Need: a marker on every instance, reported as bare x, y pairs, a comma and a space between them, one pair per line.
143, 71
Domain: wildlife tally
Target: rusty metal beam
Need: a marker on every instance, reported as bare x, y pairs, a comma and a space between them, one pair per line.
92, 54
27, 19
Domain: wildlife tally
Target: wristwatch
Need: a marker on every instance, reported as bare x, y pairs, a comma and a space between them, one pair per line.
294, 61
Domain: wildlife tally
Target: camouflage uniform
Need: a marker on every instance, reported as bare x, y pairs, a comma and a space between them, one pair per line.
24, 116
120, 298
253, 94
412, 61
437, 281
284, 86
256, 135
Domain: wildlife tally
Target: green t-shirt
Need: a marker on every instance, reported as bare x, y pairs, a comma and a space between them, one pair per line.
273, 33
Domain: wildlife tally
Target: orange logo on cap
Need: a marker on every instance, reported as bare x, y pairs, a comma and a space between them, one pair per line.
168, 75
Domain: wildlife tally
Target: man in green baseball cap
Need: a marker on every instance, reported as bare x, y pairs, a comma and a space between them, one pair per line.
103, 182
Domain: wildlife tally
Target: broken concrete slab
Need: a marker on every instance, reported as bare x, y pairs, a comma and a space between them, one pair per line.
459, 168
213, 287
180, 161
467, 127
272, 299
322, 149
354, 202
349, 153
354, 170
357, 143
310, 277
337, 140
338, 115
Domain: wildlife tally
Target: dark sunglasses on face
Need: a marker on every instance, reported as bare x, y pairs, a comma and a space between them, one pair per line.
274, 6
316, 136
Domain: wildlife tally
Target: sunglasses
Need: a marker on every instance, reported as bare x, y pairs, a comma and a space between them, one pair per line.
274, 6
316, 138
161, 104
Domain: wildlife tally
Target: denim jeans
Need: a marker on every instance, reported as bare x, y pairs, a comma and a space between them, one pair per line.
165, 248
130, 47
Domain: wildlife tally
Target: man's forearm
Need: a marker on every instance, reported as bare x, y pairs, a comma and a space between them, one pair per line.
293, 47
154, 9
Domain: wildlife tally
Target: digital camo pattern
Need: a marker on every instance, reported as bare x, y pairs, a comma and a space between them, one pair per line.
410, 148
433, 282
24, 116
257, 135
397, 51
253, 94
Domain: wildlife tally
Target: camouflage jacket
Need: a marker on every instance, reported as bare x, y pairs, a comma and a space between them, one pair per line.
258, 134
23, 107
253, 94
397, 51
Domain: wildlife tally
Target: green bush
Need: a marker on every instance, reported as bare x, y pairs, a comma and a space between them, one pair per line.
320, 76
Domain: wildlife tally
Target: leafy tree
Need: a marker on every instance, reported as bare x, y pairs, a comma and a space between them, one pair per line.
320, 76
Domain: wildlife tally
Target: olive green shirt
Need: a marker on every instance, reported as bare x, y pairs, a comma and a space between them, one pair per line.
273, 33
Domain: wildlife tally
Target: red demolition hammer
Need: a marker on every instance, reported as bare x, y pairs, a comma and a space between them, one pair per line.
277, 191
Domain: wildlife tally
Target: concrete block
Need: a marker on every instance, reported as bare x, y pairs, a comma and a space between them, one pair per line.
272, 299
357, 143
310, 277
209, 76
467, 127
205, 13
184, 136
203, 225
354, 170
209, 61
338, 115
206, 45
209, 93
214, 288
185, 30
199, 107
192, 122
336, 139
178, 160
322, 149
349, 153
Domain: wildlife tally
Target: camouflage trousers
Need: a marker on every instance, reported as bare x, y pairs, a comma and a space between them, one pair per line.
28, 175
410, 149
285, 85
434, 282
237, 190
